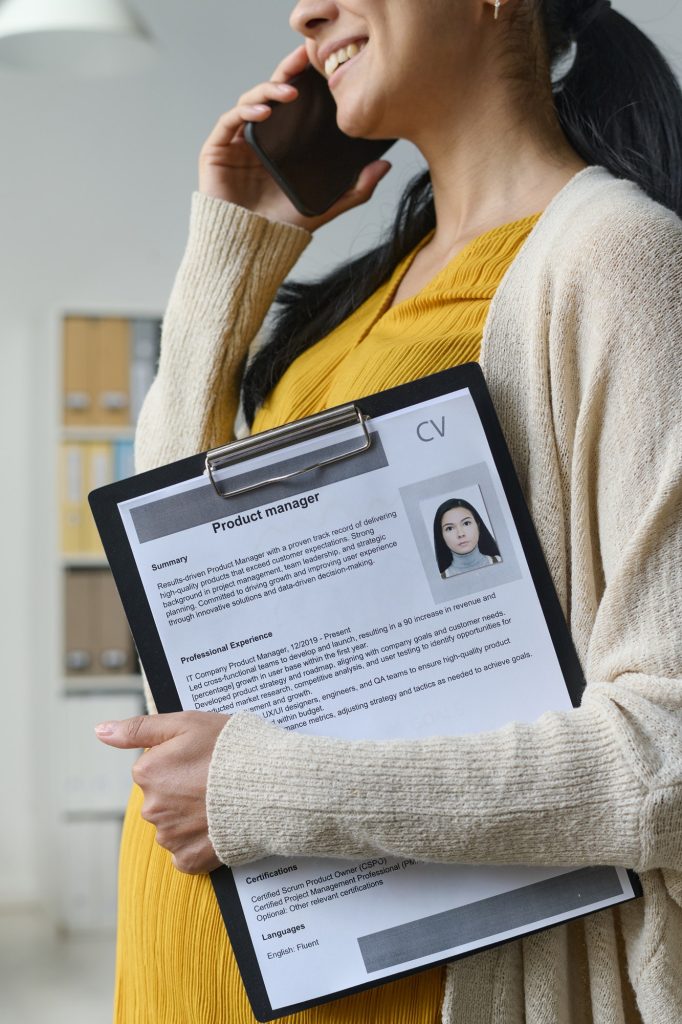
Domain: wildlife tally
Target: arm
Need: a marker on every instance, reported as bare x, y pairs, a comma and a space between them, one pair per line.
245, 236
234, 262
602, 784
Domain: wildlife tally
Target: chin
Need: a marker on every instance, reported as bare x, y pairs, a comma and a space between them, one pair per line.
358, 124
354, 127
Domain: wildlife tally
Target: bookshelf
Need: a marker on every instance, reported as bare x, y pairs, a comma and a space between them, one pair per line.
104, 365
83, 561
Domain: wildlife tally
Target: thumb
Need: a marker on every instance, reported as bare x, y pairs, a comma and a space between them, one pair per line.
364, 187
141, 731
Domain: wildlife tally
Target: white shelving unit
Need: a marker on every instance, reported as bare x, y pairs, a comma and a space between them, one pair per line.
88, 783
121, 684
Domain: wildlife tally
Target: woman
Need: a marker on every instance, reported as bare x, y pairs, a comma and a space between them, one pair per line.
519, 249
461, 539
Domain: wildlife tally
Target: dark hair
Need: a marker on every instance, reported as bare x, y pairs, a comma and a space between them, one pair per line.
306, 311
619, 103
486, 541
620, 106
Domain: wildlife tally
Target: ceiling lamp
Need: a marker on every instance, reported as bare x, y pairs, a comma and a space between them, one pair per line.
80, 37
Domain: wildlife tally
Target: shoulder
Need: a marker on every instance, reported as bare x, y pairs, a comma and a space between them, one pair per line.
608, 261
606, 226
602, 251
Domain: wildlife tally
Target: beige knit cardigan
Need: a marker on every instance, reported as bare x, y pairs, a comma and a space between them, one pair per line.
581, 352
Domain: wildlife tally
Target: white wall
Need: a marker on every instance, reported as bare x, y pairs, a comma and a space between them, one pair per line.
94, 186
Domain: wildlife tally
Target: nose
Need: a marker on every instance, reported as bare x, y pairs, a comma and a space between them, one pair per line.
309, 15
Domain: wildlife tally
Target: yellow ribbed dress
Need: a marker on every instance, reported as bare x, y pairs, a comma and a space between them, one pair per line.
174, 961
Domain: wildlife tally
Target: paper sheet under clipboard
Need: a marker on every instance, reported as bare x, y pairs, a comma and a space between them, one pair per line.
318, 602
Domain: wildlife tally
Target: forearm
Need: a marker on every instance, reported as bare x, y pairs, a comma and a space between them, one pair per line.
233, 264
560, 791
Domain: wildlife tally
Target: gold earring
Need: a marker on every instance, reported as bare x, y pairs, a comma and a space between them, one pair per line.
497, 8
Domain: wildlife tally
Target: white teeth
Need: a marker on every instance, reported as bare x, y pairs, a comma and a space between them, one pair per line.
343, 54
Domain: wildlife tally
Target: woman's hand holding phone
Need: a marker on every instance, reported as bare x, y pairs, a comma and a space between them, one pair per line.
229, 169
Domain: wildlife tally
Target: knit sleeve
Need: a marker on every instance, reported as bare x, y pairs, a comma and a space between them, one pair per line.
631, 466
601, 784
233, 264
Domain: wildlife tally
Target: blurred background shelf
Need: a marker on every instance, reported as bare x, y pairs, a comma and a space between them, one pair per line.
86, 434
107, 363
82, 685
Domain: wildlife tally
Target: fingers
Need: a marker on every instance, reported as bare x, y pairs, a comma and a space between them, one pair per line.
370, 176
279, 92
141, 731
364, 187
198, 860
191, 849
252, 106
293, 64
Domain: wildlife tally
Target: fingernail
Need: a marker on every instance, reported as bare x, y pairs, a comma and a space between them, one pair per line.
285, 88
104, 729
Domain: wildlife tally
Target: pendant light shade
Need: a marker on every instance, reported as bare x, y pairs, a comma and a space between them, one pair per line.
79, 37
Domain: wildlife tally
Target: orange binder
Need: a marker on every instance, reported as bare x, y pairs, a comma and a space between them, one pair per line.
111, 372
79, 409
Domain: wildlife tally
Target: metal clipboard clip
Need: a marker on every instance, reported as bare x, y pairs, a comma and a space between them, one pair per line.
282, 437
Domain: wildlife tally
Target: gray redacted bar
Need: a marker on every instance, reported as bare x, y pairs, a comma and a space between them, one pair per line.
486, 918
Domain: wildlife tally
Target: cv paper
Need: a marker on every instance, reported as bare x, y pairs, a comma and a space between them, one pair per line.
322, 607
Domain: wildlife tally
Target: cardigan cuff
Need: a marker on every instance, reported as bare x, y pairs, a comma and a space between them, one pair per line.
223, 237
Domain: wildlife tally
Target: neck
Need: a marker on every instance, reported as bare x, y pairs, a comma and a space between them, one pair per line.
484, 175
470, 560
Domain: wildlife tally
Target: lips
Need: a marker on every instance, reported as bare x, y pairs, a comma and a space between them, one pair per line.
335, 55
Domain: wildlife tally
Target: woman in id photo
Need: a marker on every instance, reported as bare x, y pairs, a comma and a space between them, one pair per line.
461, 540
543, 240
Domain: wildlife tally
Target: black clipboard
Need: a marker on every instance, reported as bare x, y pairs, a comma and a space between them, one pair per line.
104, 503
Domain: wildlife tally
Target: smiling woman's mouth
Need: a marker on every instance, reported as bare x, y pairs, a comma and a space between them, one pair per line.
342, 56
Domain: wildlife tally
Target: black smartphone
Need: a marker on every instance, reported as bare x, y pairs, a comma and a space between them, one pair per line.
305, 151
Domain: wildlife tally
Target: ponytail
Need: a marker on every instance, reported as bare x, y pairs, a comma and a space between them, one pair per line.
619, 104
